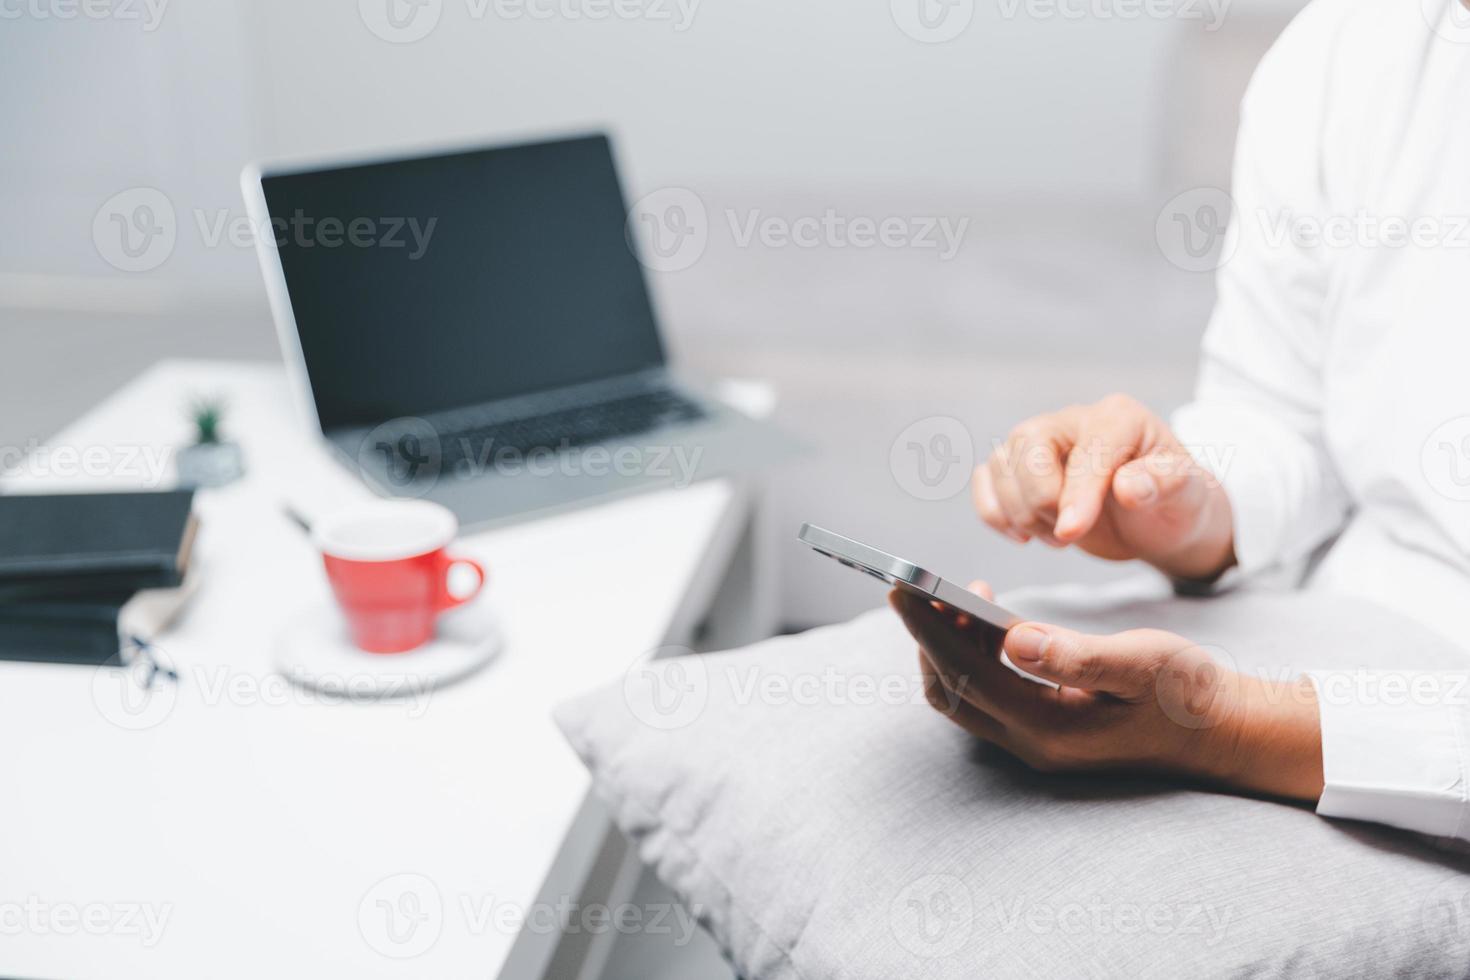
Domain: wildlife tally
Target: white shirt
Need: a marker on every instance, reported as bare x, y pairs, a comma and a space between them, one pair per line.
1334, 394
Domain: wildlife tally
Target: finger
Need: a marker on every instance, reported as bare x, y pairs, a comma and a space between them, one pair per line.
1122, 664
979, 724
1036, 459
973, 719
1008, 493
982, 589
1027, 474
1165, 476
1038, 449
957, 617
969, 668
1107, 437
954, 707
987, 505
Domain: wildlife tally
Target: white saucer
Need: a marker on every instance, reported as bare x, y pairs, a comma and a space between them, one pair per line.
314, 652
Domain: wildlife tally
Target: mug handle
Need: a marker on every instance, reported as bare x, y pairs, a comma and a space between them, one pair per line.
447, 600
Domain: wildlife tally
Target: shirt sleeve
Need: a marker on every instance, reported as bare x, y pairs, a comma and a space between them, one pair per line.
1256, 419
1393, 748
1394, 743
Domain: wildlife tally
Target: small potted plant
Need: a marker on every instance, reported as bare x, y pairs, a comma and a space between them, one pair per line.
211, 461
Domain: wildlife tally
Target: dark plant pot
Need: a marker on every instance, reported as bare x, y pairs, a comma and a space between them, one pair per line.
210, 464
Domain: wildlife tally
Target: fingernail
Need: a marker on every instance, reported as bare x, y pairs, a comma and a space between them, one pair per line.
1027, 644
1139, 485
1066, 520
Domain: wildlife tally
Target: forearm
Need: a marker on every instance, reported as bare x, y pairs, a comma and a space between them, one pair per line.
1272, 742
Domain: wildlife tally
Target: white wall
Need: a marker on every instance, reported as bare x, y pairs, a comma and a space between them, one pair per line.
92, 107
1057, 139
825, 95
758, 90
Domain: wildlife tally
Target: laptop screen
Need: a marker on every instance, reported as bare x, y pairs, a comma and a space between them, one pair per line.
434, 283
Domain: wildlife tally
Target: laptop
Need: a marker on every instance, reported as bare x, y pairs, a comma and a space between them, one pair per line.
474, 328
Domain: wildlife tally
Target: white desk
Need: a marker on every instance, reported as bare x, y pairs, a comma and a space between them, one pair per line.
257, 819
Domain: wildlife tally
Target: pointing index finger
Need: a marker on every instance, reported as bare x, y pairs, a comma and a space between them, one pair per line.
1107, 439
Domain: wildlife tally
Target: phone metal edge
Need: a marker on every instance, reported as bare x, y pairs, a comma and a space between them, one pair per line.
907, 573
841, 546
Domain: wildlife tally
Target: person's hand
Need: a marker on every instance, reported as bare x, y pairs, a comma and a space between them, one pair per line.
1112, 479
1144, 700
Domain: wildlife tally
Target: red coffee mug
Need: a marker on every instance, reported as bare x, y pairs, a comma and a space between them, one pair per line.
390, 570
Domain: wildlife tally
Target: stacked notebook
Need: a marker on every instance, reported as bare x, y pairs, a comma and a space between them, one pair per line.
71, 564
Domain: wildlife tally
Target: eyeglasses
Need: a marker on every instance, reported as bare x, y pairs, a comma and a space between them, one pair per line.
146, 663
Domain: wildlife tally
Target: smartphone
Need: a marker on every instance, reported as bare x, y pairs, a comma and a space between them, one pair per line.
905, 575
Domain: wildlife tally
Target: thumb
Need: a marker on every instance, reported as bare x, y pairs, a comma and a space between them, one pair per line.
1165, 476
1121, 664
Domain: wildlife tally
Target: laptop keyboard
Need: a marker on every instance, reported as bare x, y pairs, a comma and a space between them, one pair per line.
570, 428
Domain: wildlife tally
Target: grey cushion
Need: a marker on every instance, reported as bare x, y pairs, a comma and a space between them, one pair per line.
824, 821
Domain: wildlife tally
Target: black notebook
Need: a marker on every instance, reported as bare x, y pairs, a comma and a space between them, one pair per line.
62, 632
93, 545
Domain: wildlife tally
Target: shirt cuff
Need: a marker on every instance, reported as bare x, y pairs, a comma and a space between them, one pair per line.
1393, 748
1194, 588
